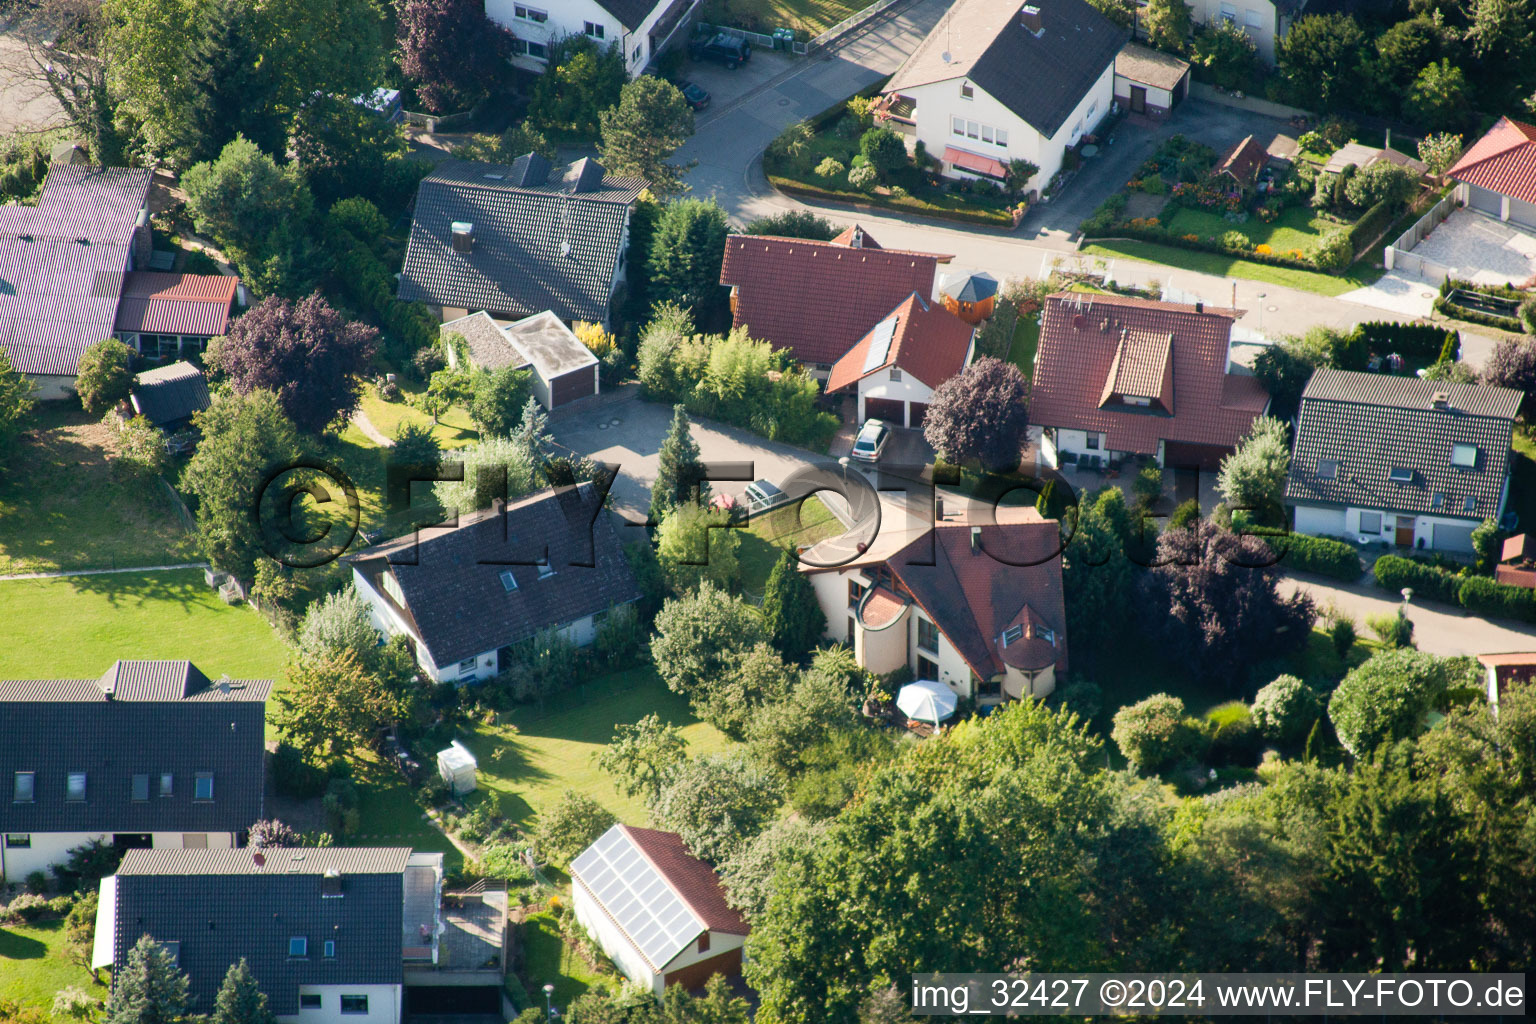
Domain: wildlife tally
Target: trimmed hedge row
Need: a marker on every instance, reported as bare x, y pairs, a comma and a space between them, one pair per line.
1320, 555
1478, 594
1425, 341
1371, 223
805, 190
1164, 237
1445, 307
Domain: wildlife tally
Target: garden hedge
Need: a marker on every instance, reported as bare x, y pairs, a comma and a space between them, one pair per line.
1445, 307
1371, 224
1320, 555
1162, 236
1425, 341
1478, 594
1484, 596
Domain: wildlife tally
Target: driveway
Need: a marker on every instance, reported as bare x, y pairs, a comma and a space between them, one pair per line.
1399, 292
1437, 628
1481, 248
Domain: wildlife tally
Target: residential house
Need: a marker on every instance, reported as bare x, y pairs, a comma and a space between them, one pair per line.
169, 396
562, 368
1506, 670
640, 29
1499, 172
1241, 164
1416, 463
972, 297
164, 316
1117, 377
1003, 80
895, 368
518, 239
973, 603
817, 299
1149, 81
328, 932
659, 912
1264, 21
152, 754
465, 594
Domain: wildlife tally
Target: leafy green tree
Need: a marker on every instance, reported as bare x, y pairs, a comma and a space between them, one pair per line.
817, 703
1387, 697
642, 132
228, 94
141, 447
446, 388
1439, 96
1098, 578
1155, 733
1226, 54
566, 828
240, 999
730, 701
245, 438
582, 80
257, 212
1439, 152
790, 610
498, 398
1400, 52
980, 413
144, 46
749, 872
686, 252
702, 636
794, 224
1319, 59
1253, 476
415, 445
640, 757
1121, 12
80, 929
334, 706
680, 475
149, 989
104, 376
696, 544
16, 407
496, 467
1285, 708
347, 149
337, 623
884, 150
1168, 25
717, 1005
516, 141
717, 803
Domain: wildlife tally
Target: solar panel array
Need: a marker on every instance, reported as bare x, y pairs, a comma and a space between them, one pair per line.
638, 898
880, 344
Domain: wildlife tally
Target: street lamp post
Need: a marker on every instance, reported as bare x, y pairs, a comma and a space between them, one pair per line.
1261, 312
844, 463
549, 1006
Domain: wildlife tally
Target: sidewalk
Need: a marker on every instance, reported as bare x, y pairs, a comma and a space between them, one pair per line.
1437, 628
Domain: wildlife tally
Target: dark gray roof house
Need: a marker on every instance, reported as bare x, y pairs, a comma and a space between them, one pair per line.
167, 396
150, 747
465, 594
1422, 462
517, 239
309, 921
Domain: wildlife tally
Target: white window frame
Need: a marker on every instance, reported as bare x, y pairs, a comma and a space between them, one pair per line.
1252, 18
69, 786
592, 29
957, 126
1368, 530
508, 581
525, 13
317, 1004
354, 1013
1464, 456
967, 91
467, 666
299, 943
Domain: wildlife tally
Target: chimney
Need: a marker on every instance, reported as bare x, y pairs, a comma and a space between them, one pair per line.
1199, 307
1440, 400
1030, 18
463, 236
856, 240
938, 508
975, 540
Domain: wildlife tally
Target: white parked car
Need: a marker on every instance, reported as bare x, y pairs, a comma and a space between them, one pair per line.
872, 439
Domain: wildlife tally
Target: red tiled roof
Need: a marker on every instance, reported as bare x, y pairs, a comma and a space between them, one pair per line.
818, 298
881, 608
695, 882
855, 237
1503, 161
1080, 337
929, 342
175, 303
1244, 161
972, 596
975, 162
1508, 660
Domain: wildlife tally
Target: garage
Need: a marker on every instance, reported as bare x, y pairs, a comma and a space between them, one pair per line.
919, 412
564, 370
1522, 212
568, 387
1320, 522
1446, 537
1483, 199
1181, 454
892, 410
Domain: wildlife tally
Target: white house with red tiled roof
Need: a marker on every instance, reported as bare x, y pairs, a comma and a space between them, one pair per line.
895, 368
659, 912
1499, 172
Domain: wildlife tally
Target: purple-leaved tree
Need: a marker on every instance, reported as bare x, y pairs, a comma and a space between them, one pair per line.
980, 413
451, 50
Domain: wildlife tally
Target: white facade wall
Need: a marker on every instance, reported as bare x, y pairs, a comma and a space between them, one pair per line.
1075, 442
48, 387
384, 1005
907, 390
570, 18
1161, 99
953, 670
718, 943
614, 942
832, 594
1255, 17
51, 848
1325, 522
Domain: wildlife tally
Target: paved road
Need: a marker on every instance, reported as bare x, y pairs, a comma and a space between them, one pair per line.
1437, 628
23, 104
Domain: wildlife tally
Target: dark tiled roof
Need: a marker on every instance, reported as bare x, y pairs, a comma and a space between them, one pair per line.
220, 905
818, 298
1503, 161
928, 341
162, 717
976, 287
451, 578
631, 13
1041, 79
1080, 338
170, 393
62, 264
1367, 424
176, 303
488, 346
536, 247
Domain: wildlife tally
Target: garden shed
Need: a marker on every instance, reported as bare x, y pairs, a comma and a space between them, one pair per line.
1148, 81
457, 767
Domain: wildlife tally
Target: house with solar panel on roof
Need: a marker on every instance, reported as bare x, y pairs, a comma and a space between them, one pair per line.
659, 912
1398, 460
153, 754
895, 368
76, 269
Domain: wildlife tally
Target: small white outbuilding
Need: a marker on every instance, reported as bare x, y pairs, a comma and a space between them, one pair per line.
457, 767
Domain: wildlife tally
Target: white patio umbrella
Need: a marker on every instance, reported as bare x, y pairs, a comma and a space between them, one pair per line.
926, 701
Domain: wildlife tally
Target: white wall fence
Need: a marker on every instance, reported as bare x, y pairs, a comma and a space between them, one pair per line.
1400, 255
759, 40
852, 21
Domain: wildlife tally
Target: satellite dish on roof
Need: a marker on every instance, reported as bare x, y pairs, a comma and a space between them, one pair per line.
945, 57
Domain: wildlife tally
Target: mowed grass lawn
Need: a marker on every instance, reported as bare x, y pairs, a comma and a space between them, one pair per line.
813, 16
65, 505
1220, 265
548, 959
453, 429
1026, 341
1297, 228
788, 526
33, 965
532, 757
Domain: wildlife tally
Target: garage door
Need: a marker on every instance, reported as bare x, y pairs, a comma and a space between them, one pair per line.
695, 975
1320, 522
1194, 456
1452, 538
1481, 199
919, 412
573, 385
1522, 213
889, 409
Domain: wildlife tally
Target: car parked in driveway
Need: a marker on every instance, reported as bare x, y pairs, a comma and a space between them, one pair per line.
874, 435
694, 94
723, 49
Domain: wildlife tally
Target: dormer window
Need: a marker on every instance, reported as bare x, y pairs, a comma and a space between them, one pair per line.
298, 946
508, 581
1012, 635
24, 787
1400, 475
1464, 456
1327, 469
1436, 500
1469, 504
1048, 635
74, 786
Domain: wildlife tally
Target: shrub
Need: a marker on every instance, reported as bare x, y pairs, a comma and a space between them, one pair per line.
1334, 252
293, 776
1527, 313
1286, 708
1394, 572
1236, 240
884, 150
504, 861
1155, 733
863, 177
570, 826
1342, 632
1421, 341
1483, 596
1386, 698
1082, 696
1371, 223
1148, 484
1154, 186
29, 906
1234, 739
1393, 629
1319, 554
830, 167
37, 882
1185, 515
1106, 216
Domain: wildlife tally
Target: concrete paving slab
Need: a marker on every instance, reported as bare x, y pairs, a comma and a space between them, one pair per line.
1481, 248
1398, 292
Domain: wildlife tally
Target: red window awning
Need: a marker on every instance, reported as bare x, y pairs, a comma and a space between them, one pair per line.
975, 163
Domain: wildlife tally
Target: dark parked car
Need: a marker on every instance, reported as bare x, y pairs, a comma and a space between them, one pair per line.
724, 49
696, 96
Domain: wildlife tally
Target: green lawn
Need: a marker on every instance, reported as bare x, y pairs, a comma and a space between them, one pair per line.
1220, 265
454, 428
1298, 228
33, 965
1026, 339
761, 541
64, 505
531, 757
547, 959
388, 815
812, 16
1522, 483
